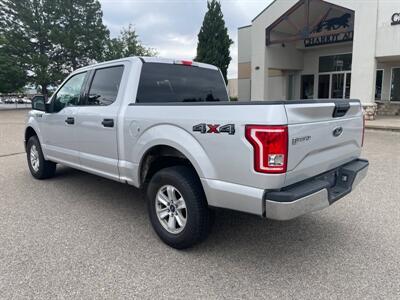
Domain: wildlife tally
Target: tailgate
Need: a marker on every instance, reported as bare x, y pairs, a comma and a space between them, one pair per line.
322, 136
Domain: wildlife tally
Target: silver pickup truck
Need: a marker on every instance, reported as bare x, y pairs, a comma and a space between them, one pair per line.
168, 127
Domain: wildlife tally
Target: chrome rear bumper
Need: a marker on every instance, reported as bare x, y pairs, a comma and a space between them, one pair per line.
316, 193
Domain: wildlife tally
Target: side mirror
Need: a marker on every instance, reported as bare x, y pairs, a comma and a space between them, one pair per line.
38, 103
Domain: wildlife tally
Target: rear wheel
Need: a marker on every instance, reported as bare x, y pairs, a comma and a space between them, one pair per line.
177, 207
39, 167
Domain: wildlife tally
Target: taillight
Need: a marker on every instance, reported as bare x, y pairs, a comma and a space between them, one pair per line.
363, 132
270, 145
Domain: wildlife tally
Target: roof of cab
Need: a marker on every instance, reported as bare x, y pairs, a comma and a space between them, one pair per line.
146, 59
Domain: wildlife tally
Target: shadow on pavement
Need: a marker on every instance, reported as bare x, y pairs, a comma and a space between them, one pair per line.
234, 234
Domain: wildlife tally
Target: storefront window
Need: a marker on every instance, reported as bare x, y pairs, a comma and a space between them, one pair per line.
347, 87
323, 86
395, 86
335, 63
378, 85
337, 86
307, 86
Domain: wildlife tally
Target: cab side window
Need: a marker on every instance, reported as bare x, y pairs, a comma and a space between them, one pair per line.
105, 85
70, 92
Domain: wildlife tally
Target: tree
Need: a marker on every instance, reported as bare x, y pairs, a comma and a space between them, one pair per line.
214, 42
79, 32
12, 74
26, 26
127, 44
50, 38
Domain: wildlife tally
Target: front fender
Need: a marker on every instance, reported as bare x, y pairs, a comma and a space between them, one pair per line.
31, 121
181, 140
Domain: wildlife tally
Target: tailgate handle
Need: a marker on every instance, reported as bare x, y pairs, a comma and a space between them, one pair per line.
340, 109
108, 123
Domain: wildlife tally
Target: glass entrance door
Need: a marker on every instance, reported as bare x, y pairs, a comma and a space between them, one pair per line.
334, 80
335, 85
395, 85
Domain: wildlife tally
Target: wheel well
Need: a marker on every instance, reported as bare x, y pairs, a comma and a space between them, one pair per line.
160, 157
29, 132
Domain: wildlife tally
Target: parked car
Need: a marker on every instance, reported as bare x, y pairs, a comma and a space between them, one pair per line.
168, 127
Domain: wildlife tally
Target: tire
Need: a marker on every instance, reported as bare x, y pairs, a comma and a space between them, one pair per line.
39, 167
196, 214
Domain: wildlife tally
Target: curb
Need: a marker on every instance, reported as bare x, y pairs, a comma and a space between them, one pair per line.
383, 128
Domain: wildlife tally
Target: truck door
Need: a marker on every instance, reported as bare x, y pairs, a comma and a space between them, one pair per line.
97, 122
59, 126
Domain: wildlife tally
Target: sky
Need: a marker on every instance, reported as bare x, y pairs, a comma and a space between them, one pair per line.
171, 26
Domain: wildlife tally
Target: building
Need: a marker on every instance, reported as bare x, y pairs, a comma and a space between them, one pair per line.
318, 49
233, 88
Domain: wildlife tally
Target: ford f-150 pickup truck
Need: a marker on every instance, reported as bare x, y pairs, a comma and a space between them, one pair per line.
168, 127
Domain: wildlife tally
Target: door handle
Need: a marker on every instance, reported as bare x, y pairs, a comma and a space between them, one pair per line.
70, 121
108, 123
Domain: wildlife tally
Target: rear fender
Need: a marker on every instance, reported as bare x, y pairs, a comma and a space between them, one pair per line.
177, 138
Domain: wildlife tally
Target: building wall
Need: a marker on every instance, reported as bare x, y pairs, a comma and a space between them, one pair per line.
232, 88
388, 36
259, 84
244, 89
244, 63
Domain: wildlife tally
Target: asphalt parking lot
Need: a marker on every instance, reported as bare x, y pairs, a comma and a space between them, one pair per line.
80, 236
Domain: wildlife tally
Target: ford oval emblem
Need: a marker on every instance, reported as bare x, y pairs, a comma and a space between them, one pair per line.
337, 131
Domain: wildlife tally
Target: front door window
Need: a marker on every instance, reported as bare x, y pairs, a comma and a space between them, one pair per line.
69, 94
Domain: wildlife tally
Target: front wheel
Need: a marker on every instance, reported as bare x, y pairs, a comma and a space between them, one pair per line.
178, 208
39, 167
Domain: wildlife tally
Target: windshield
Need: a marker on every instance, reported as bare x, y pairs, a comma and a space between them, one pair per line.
161, 82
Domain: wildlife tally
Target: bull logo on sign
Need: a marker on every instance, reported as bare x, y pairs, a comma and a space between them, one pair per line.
334, 23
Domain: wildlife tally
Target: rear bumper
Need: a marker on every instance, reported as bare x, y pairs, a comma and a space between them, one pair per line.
316, 193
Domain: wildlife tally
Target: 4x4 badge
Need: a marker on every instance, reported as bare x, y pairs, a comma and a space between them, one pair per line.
214, 128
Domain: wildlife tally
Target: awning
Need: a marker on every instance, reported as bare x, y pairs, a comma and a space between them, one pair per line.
314, 21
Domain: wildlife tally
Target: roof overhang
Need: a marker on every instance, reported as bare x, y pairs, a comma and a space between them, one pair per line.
312, 19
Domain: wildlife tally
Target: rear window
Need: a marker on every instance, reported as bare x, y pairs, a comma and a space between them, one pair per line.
160, 83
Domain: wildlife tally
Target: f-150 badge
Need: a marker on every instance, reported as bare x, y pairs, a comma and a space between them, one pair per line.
214, 128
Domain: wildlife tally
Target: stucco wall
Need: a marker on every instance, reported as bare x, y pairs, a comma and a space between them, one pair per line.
259, 84
244, 89
388, 36
244, 44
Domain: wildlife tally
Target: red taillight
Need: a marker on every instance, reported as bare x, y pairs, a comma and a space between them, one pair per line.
270, 145
363, 132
